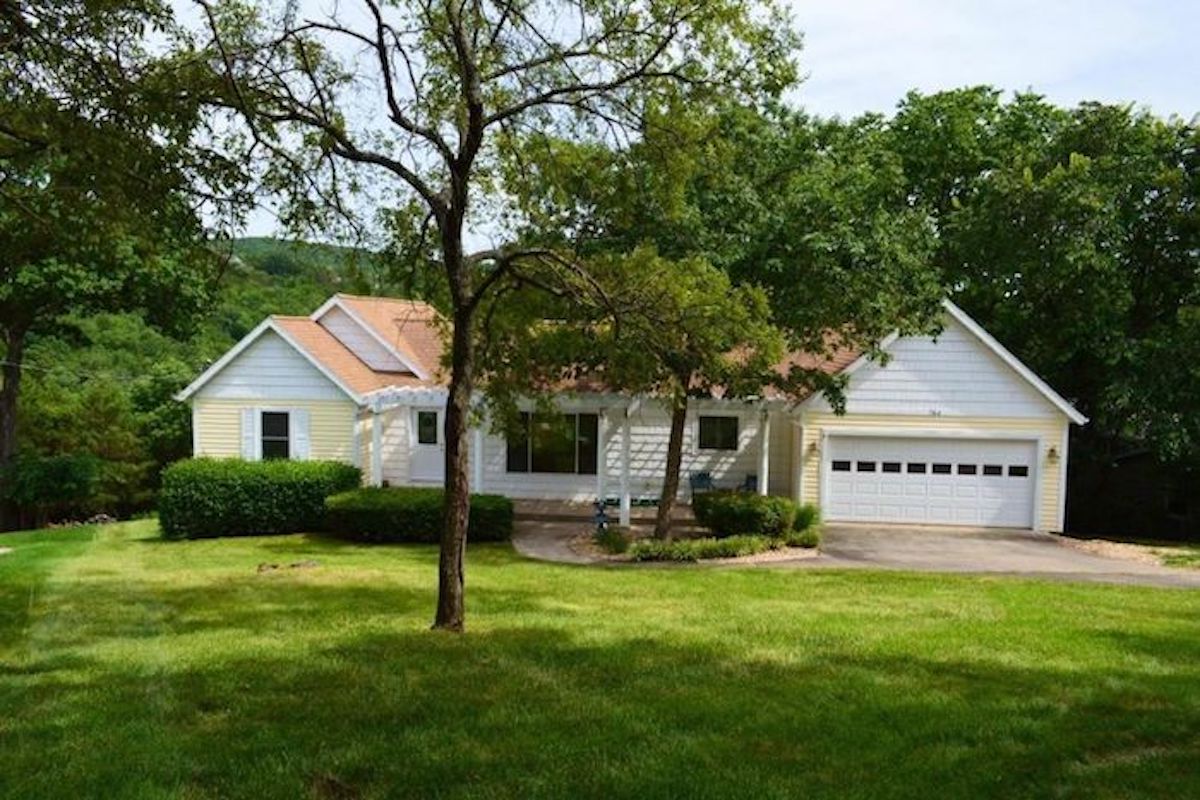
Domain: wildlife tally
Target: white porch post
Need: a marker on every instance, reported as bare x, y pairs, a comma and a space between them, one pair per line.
764, 453
626, 502
601, 455
477, 447
376, 448
797, 461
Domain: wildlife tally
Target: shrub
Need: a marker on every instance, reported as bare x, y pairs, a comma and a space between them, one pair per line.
228, 497
740, 513
43, 488
808, 537
808, 517
611, 539
406, 514
699, 549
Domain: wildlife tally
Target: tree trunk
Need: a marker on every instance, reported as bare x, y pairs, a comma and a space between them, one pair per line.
666, 502
456, 506
13, 356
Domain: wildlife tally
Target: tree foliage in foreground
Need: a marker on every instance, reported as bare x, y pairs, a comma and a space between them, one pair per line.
100, 176
447, 88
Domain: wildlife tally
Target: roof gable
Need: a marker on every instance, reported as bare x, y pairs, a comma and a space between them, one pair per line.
963, 371
272, 327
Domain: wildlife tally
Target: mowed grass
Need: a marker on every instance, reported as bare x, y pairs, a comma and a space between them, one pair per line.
133, 667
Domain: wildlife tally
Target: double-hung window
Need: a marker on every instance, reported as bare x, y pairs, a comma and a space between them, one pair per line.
276, 434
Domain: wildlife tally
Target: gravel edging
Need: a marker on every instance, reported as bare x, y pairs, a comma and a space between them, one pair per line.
1142, 553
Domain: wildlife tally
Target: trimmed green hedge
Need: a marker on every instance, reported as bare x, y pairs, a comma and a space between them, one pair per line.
740, 513
229, 497
408, 514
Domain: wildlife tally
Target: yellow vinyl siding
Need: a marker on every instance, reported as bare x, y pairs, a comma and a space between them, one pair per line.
331, 425
1049, 429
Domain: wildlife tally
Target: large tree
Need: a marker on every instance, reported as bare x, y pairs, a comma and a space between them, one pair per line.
101, 180
420, 102
1074, 236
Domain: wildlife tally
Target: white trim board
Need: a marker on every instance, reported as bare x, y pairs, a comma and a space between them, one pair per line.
1008, 358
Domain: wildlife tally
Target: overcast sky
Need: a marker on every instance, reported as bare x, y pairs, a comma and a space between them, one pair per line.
864, 55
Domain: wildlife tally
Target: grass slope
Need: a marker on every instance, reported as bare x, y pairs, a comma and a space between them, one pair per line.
133, 667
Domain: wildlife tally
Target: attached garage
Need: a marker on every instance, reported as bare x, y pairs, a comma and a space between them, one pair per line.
940, 481
949, 429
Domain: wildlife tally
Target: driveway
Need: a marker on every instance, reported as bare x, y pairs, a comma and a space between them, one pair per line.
982, 551
1005, 552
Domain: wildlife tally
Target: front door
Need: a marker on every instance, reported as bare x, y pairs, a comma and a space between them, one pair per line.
428, 464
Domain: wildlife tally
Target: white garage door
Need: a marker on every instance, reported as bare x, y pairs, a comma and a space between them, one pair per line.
936, 481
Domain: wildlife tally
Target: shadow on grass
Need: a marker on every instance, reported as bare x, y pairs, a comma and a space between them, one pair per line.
261, 687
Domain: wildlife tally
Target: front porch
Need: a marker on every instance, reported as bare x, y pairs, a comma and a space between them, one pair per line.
618, 453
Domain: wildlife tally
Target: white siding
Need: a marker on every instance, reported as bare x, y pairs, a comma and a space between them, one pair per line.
954, 375
780, 482
270, 369
396, 446
648, 452
359, 341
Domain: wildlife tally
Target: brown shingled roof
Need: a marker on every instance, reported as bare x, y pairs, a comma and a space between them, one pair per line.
325, 348
413, 328
416, 330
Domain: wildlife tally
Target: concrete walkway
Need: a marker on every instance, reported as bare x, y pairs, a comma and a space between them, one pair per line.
1019, 553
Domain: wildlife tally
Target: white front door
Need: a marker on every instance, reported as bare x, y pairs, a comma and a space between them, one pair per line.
428, 460
975, 482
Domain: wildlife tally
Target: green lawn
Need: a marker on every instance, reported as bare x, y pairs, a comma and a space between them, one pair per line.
1178, 554
132, 667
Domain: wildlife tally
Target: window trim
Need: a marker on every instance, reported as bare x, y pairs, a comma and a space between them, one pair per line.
527, 421
437, 432
737, 433
263, 438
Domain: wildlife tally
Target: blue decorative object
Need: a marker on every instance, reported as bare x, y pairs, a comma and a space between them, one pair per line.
600, 517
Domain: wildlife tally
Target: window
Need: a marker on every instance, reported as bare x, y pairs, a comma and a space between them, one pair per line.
967, 469
866, 466
941, 469
916, 468
1018, 472
427, 427
555, 443
993, 469
718, 433
841, 466
891, 466
275, 438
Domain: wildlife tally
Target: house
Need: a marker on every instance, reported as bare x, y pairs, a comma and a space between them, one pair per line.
953, 430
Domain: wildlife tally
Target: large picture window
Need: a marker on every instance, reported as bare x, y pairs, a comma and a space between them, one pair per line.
555, 443
718, 433
275, 435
